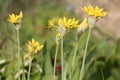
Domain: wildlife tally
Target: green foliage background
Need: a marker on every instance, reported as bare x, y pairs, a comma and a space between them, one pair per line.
103, 57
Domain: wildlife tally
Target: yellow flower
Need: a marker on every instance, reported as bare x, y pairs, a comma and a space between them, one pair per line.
96, 12
51, 23
20, 15
68, 23
15, 19
83, 26
26, 56
58, 37
34, 46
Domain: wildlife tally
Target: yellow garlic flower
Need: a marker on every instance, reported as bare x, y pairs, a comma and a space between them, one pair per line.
34, 46
96, 12
51, 23
15, 19
83, 26
68, 23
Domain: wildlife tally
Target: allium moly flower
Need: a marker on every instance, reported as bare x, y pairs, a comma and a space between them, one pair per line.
96, 12
34, 46
68, 23
15, 19
83, 26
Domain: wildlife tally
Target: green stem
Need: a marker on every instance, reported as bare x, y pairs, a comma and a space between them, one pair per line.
18, 40
74, 56
102, 74
29, 69
73, 61
62, 57
23, 75
55, 59
83, 62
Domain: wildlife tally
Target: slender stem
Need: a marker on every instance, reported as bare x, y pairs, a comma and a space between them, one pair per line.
55, 59
74, 56
23, 75
62, 57
29, 69
102, 74
76, 48
83, 62
18, 40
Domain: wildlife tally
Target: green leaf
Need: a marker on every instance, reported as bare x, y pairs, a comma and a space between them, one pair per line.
47, 66
75, 75
3, 64
118, 47
116, 74
90, 54
82, 41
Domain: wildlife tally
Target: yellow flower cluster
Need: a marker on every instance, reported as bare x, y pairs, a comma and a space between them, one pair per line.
96, 12
34, 46
15, 19
68, 23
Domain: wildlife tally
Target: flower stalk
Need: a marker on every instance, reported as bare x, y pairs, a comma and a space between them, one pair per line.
84, 55
18, 40
29, 69
62, 61
73, 61
55, 60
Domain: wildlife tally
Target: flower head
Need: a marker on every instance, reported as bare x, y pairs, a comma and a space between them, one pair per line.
26, 56
96, 12
61, 25
51, 23
83, 26
60, 33
15, 19
34, 46
68, 23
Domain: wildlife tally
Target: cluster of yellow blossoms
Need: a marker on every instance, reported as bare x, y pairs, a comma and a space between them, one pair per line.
93, 14
15, 19
63, 23
33, 48
67, 23
96, 12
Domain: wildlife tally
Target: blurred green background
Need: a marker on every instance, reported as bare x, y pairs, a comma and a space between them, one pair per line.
103, 57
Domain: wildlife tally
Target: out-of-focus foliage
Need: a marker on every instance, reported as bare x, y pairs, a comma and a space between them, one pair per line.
103, 57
